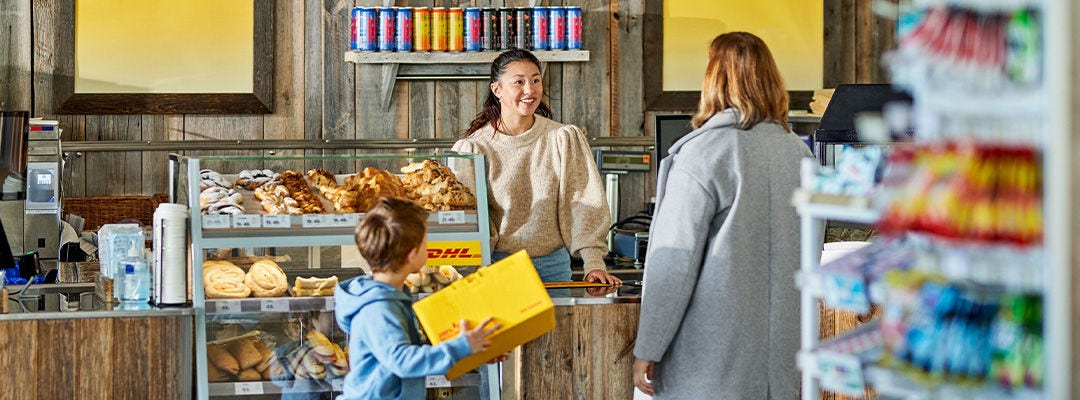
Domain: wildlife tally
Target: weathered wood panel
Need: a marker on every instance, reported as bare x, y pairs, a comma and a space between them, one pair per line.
122, 171
589, 104
20, 352
289, 117
14, 55
588, 354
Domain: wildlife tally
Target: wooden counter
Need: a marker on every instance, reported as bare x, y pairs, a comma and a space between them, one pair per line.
138, 357
587, 356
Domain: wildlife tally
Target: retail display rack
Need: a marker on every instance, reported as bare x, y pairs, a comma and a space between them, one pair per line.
952, 104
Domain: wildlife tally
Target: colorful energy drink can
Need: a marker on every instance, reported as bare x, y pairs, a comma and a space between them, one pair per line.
455, 30
438, 29
490, 38
540, 28
507, 28
422, 29
386, 29
473, 30
557, 21
573, 28
523, 29
403, 23
365, 29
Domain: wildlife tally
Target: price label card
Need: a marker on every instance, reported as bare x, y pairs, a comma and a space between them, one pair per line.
436, 381
451, 217
274, 305
329, 303
841, 373
216, 222
227, 307
336, 384
345, 220
249, 388
247, 221
315, 221
276, 221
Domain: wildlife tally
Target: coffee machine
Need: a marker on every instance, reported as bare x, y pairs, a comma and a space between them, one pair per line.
30, 169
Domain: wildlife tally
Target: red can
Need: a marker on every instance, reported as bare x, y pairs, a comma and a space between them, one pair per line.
386, 29
422, 29
473, 30
438, 29
455, 30
403, 29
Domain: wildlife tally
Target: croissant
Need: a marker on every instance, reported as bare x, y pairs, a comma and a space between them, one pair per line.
224, 280
266, 279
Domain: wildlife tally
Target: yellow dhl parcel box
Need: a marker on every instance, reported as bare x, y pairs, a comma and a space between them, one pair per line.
510, 291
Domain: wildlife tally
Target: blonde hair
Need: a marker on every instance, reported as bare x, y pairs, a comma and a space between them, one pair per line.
742, 75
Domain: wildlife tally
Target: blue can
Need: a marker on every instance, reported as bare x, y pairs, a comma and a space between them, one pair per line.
540, 29
557, 22
365, 29
573, 28
403, 32
474, 29
386, 29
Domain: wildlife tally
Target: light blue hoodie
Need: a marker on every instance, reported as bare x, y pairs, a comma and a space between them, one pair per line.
387, 357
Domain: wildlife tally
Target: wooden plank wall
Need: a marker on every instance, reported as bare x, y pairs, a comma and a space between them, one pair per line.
319, 96
94, 358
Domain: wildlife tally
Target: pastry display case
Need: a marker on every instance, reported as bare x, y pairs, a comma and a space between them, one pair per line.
271, 237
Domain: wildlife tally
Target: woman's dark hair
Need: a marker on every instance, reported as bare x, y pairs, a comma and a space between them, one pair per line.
491, 111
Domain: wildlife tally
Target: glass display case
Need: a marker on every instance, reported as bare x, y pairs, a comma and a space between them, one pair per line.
272, 236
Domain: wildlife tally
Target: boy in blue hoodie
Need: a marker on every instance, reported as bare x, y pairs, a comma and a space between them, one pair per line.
388, 359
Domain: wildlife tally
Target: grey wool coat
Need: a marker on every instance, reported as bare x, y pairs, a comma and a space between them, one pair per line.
720, 310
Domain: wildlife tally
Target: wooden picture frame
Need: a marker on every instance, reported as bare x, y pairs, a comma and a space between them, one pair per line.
656, 98
259, 101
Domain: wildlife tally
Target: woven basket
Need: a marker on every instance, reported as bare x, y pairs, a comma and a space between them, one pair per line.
99, 211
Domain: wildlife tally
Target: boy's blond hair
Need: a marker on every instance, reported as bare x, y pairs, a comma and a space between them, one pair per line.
389, 231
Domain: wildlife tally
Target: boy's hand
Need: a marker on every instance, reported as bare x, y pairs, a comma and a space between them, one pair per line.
502, 357
478, 337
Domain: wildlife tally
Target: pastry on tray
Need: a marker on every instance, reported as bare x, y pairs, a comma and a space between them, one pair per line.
266, 279
224, 280
305, 287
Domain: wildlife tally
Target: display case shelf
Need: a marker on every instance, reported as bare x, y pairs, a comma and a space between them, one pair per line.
891, 384
319, 386
269, 305
823, 206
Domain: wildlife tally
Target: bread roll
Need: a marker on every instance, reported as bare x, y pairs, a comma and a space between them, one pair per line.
222, 359
247, 355
266, 279
315, 283
298, 292
249, 375
224, 280
215, 374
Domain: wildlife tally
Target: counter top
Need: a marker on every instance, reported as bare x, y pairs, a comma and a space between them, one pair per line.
49, 301
595, 296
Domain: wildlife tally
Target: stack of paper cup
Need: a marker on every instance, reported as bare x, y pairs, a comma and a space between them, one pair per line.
170, 254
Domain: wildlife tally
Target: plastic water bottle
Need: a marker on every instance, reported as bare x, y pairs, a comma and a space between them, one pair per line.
134, 278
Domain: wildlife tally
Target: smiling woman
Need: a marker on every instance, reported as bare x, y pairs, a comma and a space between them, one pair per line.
219, 57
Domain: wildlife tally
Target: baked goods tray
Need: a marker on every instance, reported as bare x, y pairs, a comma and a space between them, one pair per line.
257, 223
315, 386
269, 304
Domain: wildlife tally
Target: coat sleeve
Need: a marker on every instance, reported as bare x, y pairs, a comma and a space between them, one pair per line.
384, 331
679, 234
584, 218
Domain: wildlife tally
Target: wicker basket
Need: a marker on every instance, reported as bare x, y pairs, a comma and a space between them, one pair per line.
99, 211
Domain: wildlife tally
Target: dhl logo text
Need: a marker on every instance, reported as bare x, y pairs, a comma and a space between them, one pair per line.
460, 252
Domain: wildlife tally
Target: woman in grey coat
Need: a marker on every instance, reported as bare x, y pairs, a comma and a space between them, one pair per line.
720, 311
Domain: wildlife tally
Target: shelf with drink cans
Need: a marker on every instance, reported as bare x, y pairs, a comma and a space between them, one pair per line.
427, 36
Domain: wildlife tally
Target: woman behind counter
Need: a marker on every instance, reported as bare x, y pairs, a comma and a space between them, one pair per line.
544, 190
720, 312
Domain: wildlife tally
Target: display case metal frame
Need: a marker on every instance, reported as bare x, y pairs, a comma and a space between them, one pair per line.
202, 239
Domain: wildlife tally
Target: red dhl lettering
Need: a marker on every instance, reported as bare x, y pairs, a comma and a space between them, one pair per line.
453, 252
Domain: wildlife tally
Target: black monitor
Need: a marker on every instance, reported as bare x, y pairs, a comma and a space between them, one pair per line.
668, 129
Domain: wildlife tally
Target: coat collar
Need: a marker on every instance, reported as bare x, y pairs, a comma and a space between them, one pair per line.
721, 119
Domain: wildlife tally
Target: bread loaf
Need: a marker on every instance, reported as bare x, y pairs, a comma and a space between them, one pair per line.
266, 279
224, 280
222, 359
